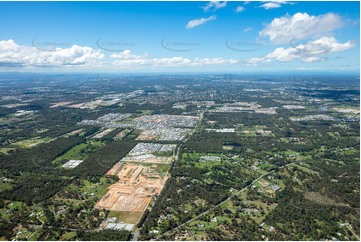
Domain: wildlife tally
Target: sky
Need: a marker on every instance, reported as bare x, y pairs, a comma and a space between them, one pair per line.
212, 36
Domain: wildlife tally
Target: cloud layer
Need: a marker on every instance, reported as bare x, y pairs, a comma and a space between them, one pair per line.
138, 60
14, 54
312, 51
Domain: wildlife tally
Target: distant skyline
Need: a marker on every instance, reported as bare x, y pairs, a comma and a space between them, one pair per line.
180, 36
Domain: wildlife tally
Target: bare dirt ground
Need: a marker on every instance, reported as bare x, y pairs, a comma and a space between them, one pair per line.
134, 189
61, 104
147, 135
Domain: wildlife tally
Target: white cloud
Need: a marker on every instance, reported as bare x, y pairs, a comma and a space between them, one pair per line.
13, 54
257, 60
214, 5
130, 60
271, 5
311, 51
196, 22
301, 26
172, 61
239, 9
126, 54
313, 59
274, 4
248, 29
213, 61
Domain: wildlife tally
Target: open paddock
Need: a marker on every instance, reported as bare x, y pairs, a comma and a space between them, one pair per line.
103, 133
61, 104
126, 217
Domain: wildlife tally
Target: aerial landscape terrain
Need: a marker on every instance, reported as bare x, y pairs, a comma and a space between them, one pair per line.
161, 134
196, 157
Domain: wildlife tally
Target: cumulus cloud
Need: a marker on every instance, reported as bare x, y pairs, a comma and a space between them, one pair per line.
239, 9
301, 26
127, 54
308, 52
12, 54
274, 4
15, 55
196, 22
214, 5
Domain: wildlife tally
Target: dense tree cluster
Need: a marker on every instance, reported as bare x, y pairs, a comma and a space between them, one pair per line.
99, 162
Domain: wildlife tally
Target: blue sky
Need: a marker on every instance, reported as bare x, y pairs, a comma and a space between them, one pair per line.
179, 36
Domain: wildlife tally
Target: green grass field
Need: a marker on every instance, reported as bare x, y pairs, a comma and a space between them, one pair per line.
195, 158
5, 186
126, 217
79, 152
68, 235
99, 189
305, 169
208, 164
6, 150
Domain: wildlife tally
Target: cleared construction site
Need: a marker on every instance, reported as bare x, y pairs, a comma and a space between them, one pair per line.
144, 171
134, 189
